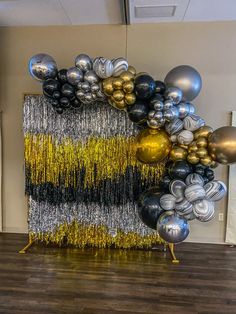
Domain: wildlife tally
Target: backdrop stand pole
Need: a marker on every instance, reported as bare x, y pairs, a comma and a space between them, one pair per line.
30, 243
172, 253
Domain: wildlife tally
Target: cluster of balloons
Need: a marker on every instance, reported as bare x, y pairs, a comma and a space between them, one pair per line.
170, 131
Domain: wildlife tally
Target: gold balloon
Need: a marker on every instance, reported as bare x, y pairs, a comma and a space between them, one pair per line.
193, 158
117, 104
128, 87
206, 161
203, 131
202, 152
222, 145
192, 148
214, 164
183, 146
132, 70
178, 153
117, 83
201, 142
107, 86
130, 98
152, 146
127, 76
118, 95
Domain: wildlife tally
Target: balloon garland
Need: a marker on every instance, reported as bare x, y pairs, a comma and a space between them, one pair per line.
170, 131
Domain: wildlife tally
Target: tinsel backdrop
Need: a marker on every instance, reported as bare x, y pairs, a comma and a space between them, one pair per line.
82, 177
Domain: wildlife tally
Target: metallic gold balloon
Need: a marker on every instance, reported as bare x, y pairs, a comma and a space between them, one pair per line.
107, 86
193, 147
193, 158
121, 105
130, 98
132, 70
203, 131
118, 95
178, 153
183, 146
214, 164
152, 146
127, 76
222, 145
206, 161
117, 83
201, 142
202, 152
128, 87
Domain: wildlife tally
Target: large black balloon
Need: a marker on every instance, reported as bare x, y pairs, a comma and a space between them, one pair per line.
138, 112
50, 86
144, 86
160, 87
149, 208
180, 170
68, 90
61, 75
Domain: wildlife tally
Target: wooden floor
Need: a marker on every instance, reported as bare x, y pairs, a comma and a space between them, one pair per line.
66, 280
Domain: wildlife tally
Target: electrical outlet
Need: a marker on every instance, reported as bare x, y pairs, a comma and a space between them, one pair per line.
221, 217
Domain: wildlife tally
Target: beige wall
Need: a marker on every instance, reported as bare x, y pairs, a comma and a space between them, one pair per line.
210, 47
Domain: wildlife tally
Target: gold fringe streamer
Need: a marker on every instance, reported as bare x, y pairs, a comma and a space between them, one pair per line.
80, 235
48, 159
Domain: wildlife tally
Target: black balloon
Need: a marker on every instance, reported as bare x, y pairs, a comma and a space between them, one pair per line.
149, 208
59, 110
209, 173
180, 170
56, 94
50, 86
164, 184
55, 103
160, 87
200, 169
68, 90
144, 86
61, 75
64, 102
75, 103
138, 112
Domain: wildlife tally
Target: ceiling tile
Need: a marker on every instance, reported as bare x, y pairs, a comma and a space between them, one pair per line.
32, 12
93, 11
211, 10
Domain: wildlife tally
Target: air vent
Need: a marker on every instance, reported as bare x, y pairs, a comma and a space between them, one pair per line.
156, 11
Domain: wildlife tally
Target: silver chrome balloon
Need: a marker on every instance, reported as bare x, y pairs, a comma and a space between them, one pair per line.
158, 105
187, 79
172, 228
85, 86
171, 114
91, 77
95, 88
83, 62
74, 75
192, 109
184, 109
168, 104
42, 67
175, 94
119, 65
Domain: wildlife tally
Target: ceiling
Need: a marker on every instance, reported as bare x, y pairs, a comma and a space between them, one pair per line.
78, 12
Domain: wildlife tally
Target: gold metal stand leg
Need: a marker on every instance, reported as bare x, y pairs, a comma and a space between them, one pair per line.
171, 249
31, 241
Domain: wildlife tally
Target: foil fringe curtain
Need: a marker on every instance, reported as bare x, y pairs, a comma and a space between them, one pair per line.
82, 177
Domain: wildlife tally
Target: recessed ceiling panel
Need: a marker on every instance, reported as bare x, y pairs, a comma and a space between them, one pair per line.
32, 12
211, 10
155, 11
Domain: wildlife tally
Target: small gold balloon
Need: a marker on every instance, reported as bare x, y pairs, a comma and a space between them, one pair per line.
152, 146
192, 147
130, 98
120, 104
214, 164
201, 142
202, 152
132, 70
118, 95
192, 158
183, 146
107, 86
206, 161
203, 131
128, 87
127, 76
117, 83
178, 153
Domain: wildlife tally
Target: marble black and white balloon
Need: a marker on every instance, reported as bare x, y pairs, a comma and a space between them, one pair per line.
194, 192
167, 201
204, 210
119, 65
177, 189
194, 178
215, 190
185, 137
174, 127
193, 122
103, 67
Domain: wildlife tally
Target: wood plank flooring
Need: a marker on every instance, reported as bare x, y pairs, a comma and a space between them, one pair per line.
68, 280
